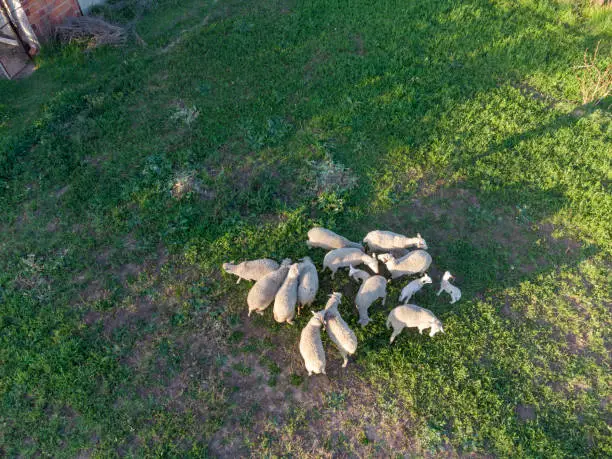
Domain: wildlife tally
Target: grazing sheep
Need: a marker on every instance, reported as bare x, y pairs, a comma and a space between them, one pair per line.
414, 262
414, 287
337, 329
342, 258
263, 292
308, 284
286, 297
449, 288
410, 315
251, 270
358, 274
326, 239
311, 346
371, 289
386, 241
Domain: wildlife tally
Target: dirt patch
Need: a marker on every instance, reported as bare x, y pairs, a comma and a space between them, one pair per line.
142, 309
94, 291
53, 225
311, 67
507, 311
359, 46
457, 213
525, 412
280, 409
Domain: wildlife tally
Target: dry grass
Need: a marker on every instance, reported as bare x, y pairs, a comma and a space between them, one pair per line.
595, 82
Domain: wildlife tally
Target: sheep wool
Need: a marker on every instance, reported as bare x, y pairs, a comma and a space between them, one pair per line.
410, 315
386, 241
412, 287
326, 239
337, 329
414, 262
343, 258
263, 292
371, 289
358, 274
286, 297
311, 346
308, 284
252, 269
446, 286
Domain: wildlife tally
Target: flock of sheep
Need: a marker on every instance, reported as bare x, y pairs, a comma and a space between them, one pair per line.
292, 286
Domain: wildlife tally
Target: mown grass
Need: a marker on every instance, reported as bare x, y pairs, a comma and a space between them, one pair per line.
119, 335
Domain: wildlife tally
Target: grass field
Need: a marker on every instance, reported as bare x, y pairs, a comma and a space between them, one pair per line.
128, 175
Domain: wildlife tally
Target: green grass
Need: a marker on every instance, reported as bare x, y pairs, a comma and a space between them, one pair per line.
128, 175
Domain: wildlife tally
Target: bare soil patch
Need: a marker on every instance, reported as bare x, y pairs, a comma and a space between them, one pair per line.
280, 409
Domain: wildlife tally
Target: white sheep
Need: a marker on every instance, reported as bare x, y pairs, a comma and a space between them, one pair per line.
263, 292
410, 315
358, 274
412, 287
371, 289
415, 262
286, 297
326, 239
337, 329
311, 346
308, 283
446, 286
252, 269
386, 241
342, 258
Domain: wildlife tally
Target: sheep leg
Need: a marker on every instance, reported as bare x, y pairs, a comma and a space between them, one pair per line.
239, 279
290, 321
384, 298
440, 291
344, 358
259, 312
396, 331
421, 330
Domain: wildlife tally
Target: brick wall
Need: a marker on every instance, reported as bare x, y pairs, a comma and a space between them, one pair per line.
45, 14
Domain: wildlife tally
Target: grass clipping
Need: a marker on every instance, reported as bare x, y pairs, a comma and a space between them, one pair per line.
93, 31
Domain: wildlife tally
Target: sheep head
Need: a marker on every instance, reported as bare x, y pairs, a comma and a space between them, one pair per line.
421, 244
436, 326
425, 279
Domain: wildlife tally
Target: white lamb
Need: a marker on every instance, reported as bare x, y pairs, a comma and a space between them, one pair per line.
415, 262
286, 297
410, 315
385, 241
326, 239
358, 274
311, 346
343, 258
337, 329
265, 289
308, 283
371, 289
446, 286
412, 287
252, 269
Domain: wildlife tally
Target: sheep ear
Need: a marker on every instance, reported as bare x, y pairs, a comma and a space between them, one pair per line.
418, 234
